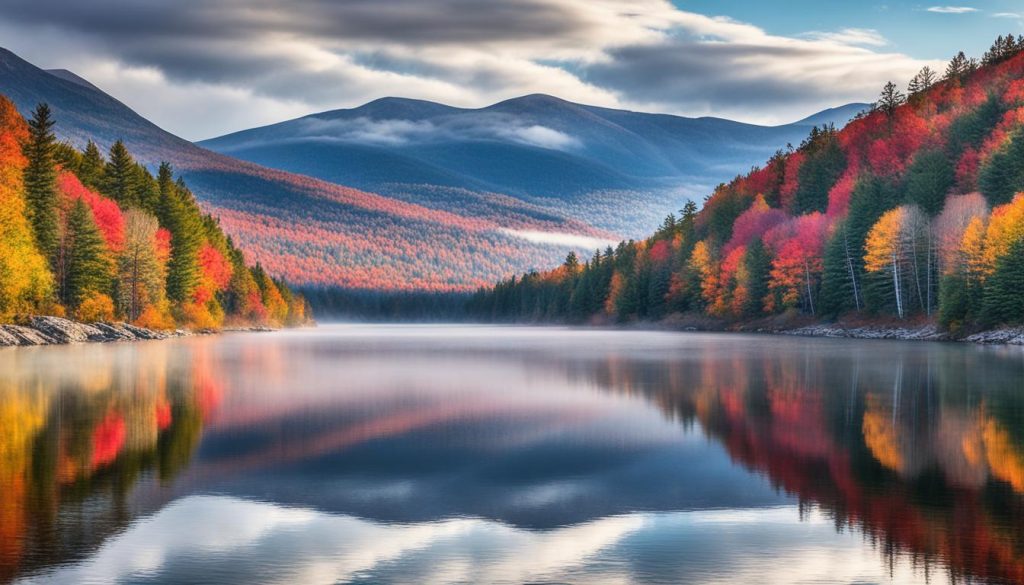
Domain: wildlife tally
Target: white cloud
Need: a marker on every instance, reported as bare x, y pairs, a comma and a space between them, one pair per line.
580, 242
1006, 15
225, 65
542, 136
852, 36
952, 9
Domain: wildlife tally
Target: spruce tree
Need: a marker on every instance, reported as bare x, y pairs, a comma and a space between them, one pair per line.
759, 265
1002, 176
957, 68
929, 179
90, 169
890, 99
120, 178
824, 164
841, 281
178, 213
89, 267
41, 181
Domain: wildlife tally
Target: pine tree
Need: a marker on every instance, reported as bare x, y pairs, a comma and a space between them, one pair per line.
841, 279
180, 216
41, 181
759, 265
958, 67
890, 99
921, 82
824, 164
1004, 290
929, 179
572, 263
120, 176
89, 268
1002, 176
90, 169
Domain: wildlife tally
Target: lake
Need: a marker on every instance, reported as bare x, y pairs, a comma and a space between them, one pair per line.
464, 454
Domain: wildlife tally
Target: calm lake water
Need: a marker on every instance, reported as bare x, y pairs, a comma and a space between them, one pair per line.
425, 454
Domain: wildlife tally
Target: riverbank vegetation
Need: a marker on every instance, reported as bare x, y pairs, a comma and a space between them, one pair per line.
914, 210
100, 238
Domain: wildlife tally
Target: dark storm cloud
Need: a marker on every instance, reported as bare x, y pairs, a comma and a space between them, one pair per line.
401, 21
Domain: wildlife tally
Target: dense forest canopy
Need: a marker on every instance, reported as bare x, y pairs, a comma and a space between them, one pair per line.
100, 238
914, 209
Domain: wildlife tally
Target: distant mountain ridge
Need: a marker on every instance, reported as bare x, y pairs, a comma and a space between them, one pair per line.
537, 148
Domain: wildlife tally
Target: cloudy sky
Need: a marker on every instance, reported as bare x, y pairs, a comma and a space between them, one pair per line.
201, 68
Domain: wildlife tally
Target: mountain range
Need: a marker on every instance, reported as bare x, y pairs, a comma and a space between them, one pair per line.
411, 195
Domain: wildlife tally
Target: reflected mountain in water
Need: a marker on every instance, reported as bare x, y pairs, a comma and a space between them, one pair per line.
621, 454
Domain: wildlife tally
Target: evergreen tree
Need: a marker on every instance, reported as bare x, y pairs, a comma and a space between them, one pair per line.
120, 176
841, 280
921, 82
973, 127
572, 263
929, 179
871, 198
758, 262
958, 67
89, 266
180, 216
890, 99
41, 181
90, 168
1004, 290
824, 164
1002, 176
954, 302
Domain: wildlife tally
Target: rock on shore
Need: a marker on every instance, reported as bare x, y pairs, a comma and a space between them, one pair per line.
57, 330
923, 333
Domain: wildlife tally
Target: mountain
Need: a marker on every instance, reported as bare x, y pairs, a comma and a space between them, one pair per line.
913, 211
617, 170
307, 230
407, 214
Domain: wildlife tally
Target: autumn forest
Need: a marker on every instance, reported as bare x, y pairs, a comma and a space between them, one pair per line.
97, 237
913, 211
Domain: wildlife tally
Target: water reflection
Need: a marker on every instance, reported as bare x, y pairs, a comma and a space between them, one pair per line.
474, 454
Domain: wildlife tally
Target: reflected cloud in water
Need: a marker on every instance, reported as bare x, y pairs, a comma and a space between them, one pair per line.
507, 454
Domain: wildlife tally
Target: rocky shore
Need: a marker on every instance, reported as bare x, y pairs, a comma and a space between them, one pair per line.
849, 329
57, 331
1008, 336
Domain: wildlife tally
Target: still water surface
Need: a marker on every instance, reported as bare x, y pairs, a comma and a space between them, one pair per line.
424, 454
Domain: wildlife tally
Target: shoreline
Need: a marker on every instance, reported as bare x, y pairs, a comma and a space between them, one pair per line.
1007, 336
47, 330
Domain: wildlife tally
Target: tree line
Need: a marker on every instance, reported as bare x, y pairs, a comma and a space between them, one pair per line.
913, 210
100, 238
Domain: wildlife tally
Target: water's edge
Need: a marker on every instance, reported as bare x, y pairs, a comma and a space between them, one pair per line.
47, 330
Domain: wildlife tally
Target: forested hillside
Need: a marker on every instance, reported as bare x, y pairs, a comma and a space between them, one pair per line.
913, 210
97, 237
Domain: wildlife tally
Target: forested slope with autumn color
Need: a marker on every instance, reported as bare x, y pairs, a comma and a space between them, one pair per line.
101, 239
304, 230
913, 210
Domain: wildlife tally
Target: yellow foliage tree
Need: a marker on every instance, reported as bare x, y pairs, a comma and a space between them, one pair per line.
883, 249
25, 279
1005, 227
